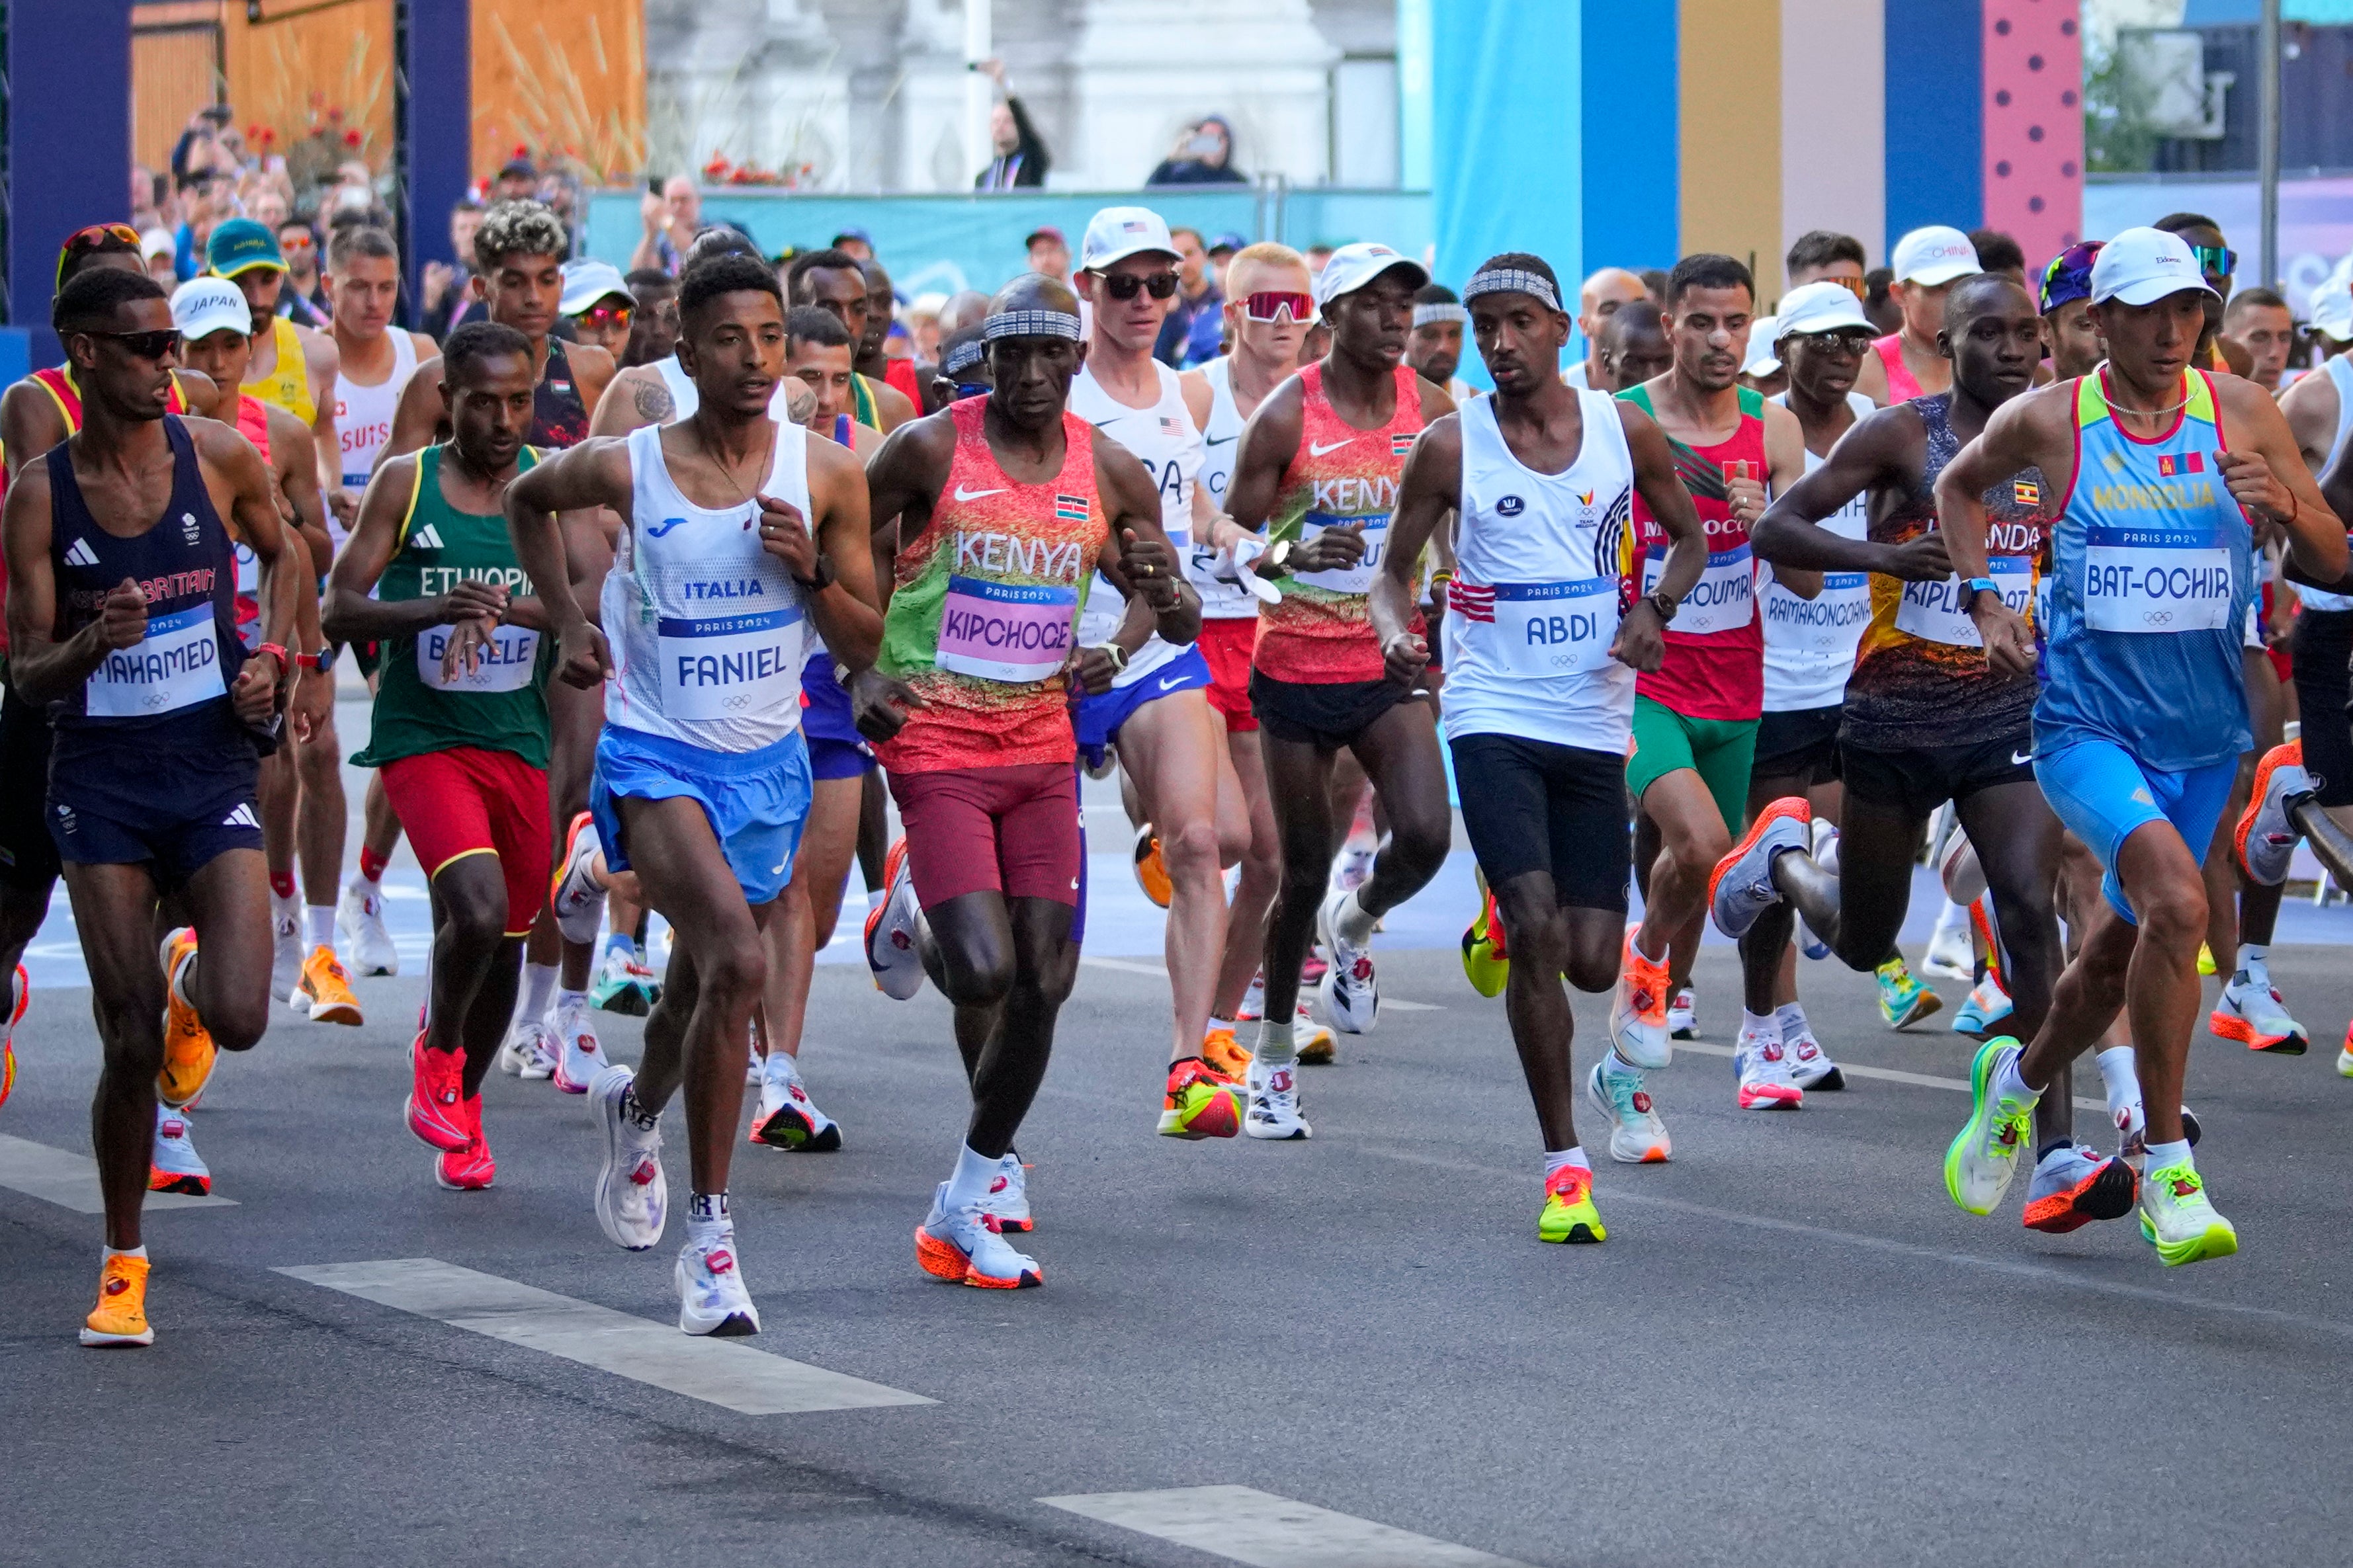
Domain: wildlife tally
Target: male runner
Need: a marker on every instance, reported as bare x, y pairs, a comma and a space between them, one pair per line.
1632, 347
1694, 726
2070, 339
1602, 296
602, 310
122, 613
701, 779
2260, 322
653, 334
293, 367
460, 728
1318, 466
2144, 710
1906, 364
1821, 255
836, 281
874, 362
1435, 348
1003, 506
1541, 687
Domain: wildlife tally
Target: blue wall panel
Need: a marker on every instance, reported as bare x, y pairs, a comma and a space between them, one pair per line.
69, 142
1632, 140
1935, 115
440, 127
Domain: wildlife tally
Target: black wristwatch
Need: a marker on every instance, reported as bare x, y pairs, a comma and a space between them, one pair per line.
819, 583
1665, 605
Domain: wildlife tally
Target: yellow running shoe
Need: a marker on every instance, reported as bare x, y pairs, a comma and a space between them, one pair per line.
2179, 1220
1569, 1213
1315, 1044
1198, 1104
1151, 870
1486, 962
1227, 1054
188, 1049
120, 1316
2205, 959
16, 1005
328, 989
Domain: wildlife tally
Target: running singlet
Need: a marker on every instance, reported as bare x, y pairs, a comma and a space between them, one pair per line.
1222, 599
1903, 386
706, 628
2150, 581
1809, 643
1539, 562
2339, 371
1162, 439
287, 384
253, 424
502, 704
363, 417
1321, 633
168, 691
558, 417
684, 399
1715, 666
1920, 675
984, 605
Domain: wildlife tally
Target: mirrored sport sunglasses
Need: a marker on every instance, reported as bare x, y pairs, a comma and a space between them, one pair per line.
2216, 260
1855, 285
1269, 304
96, 236
1125, 286
1846, 340
144, 345
615, 316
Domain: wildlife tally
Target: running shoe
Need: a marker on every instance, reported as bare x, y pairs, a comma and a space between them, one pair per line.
2132, 1131
1986, 1005
787, 1118
2206, 960
2344, 1052
436, 1090
712, 1299
614, 987
21, 999
188, 1049
1008, 1194
1762, 1065
1983, 1156
1274, 1104
963, 1246
1312, 967
1569, 1214
1351, 991
1949, 956
2256, 1016
1199, 1102
1353, 867
1903, 1001
642, 976
326, 989
1638, 1009
1809, 1065
1741, 887
1486, 962
470, 1169
2265, 838
576, 900
119, 1318
174, 1166
286, 952
1315, 1045
529, 1051
359, 921
632, 1194
2077, 1185
579, 1054
1227, 1056
1151, 870
1253, 1007
891, 950
1637, 1136
1682, 1016
2179, 1220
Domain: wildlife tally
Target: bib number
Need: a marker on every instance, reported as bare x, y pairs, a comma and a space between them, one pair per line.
1356, 579
507, 664
176, 665
1538, 630
1724, 599
2147, 580
729, 667
1932, 613
1016, 634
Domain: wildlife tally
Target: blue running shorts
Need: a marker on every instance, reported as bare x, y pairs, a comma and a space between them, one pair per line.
1097, 717
2104, 794
756, 801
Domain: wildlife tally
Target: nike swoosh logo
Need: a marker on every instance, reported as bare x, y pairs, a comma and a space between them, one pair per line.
1172, 685
1317, 448
964, 494
1216, 440
2019, 758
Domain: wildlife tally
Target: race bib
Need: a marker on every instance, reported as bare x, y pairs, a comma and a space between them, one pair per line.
1356, 579
1724, 599
2155, 580
1014, 633
1932, 610
728, 666
176, 665
1826, 624
1533, 630
505, 665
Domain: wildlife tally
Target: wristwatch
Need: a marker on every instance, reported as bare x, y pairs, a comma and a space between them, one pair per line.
822, 579
1664, 605
285, 665
1976, 585
1280, 557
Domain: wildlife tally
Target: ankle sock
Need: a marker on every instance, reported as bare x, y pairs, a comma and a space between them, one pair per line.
372, 864
567, 999
1767, 1028
106, 1252
1792, 1020
322, 921
975, 1174
2161, 1155
1350, 924
2120, 1077
1275, 1047
2254, 967
707, 1219
1558, 1160
2006, 1082
538, 986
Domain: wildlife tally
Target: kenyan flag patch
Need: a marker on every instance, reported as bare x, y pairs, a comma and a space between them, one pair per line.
1400, 445
1071, 509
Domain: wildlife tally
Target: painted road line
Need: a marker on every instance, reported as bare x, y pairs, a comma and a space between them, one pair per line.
71, 1180
720, 1372
1243, 1524
1885, 1075
1134, 966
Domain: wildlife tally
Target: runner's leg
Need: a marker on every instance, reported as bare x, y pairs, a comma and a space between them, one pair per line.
1169, 748
1261, 879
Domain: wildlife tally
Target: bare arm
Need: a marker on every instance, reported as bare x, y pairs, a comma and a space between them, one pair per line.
1640, 643
2310, 407
1429, 491
351, 615
419, 414
2020, 432
2266, 475
29, 426
636, 397
1269, 441
592, 371
1871, 453
41, 668
1137, 556
844, 610
285, 563
325, 362
902, 479
595, 473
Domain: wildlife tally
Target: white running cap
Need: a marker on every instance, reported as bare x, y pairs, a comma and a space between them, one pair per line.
2332, 303
1115, 234
203, 306
586, 282
1934, 255
1764, 333
1353, 265
1823, 307
2142, 266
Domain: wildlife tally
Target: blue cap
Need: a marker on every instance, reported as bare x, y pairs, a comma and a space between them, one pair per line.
860, 234
1227, 241
240, 244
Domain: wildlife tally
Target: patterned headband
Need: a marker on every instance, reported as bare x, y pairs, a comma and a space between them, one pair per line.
962, 357
1030, 324
1512, 281
1423, 315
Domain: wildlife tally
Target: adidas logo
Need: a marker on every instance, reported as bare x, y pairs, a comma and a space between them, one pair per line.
80, 554
242, 817
424, 539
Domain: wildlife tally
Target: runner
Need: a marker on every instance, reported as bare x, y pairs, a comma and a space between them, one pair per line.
1695, 717
2260, 322
458, 731
1542, 684
2138, 729
701, 779
1823, 255
599, 304
1435, 350
653, 333
128, 625
1003, 506
292, 367
1906, 364
1632, 347
1602, 296
1318, 466
836, 281
2070, 339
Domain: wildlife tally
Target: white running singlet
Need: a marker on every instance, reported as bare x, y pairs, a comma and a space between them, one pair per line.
2339, 371
363, 419
1534, 607
706, 626
1163, 437
1809, 643
1221, 599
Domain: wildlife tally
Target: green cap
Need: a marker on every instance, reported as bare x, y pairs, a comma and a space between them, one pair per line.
241, 245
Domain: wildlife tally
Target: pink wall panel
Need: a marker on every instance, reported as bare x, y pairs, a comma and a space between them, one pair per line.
2034, 125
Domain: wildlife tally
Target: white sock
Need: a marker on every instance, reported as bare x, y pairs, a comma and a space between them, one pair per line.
2120, 1076
1952, 918
571, 1001
2254, 967
321, 918
1556, 1160
1274, 1043
106, 1252
2008, 1082
1616, 1066
538, 986
707, 1219
1768, 1028
780, 1064
975, 1174
1792, 1020
2160, 1155
1216, 1023
1350, 924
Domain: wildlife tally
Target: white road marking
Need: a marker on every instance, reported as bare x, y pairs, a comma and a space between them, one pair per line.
71, 1180
1888, 1075
1243, 1524
1134, 966
730, 1372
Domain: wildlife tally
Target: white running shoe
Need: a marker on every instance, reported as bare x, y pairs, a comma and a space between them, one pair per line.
1741, 887
1682, 1016
1809, 1065
1253, 1007
359, 923
174, 1166
1637, 1136
891, 950
1351, 991
963, 1247
1950, 954
577, 904
529, 1051
788, 1117
579, 1054
1273, 1110
1008, 1194
1353, 867
632, 1194
1762, 1063
712, 1299
287, 953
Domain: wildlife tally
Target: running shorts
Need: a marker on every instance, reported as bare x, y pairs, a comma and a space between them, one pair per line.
1097, 716
2104, 795
1533, 805
125, 806
1719, 750
1012, 831
468, 800
28, 855
1918, 779
757, 802
1799, 743
1327, 715
1226, 644
836, 749
2322, 641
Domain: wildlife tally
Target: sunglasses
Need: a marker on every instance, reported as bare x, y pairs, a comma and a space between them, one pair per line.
1125, 286
1855, 285
1269, 304
144, 345
965, 389
2216, 260
96, 236
1850, 341
613, 316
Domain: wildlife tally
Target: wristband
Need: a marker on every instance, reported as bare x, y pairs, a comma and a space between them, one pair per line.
1981, 585
277, 653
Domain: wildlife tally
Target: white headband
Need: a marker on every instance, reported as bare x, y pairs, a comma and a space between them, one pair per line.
1423, 315
1030, 324
1512, 281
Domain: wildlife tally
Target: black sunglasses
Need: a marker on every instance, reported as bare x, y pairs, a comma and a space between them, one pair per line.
1124, 286
144, 345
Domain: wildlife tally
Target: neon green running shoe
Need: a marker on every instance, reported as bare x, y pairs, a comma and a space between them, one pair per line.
1983, 1156
2206, 960
1569, 1213
1903, 1001
2179, 1220
1199, 1102
1486, 962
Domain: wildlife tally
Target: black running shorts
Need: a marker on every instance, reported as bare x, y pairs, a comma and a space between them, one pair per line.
1918, 779
1532, 805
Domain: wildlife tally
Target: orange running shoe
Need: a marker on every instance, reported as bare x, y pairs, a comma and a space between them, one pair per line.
188, 1049
16, 1005
328, 989
1638, 1012
1229, 1056
1199, 1103
119, 1318
1151, 871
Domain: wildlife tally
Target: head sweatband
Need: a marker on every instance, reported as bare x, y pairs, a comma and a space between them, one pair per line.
962, 357
1512, 281
1030, 324
1439, 311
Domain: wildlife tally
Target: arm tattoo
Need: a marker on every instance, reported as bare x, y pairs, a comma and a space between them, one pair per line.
654, 401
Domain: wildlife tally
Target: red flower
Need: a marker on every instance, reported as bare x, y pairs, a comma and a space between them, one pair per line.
351, 138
